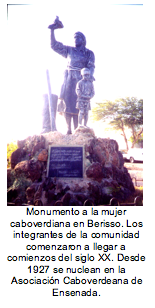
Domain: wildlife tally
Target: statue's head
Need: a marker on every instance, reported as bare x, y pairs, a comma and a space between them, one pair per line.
85, 72
79, 39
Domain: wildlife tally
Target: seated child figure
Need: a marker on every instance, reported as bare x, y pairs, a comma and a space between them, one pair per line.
84, 91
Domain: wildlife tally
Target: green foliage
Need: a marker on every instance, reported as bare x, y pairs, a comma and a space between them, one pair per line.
21, 183
139, 141
10, 178
120, 114
11, 147
129, 110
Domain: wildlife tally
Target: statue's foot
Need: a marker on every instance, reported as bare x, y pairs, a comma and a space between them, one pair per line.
69, 132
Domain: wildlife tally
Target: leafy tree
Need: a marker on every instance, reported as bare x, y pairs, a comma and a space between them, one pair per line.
120, 114
11, 147
139, 142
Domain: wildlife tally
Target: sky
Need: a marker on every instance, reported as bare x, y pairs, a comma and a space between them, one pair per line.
115, 33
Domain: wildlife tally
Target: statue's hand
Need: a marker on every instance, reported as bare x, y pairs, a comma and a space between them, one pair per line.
92, 78
56, 25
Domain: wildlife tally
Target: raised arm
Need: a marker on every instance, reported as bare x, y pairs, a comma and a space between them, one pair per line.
53, 40
55, 45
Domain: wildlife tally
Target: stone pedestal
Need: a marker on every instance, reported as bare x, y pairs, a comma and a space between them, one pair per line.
104, 173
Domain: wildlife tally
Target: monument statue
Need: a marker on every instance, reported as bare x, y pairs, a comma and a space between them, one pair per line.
78, 57
85, 91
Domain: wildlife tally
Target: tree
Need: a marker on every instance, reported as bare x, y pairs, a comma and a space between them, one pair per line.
139, 141
11, 147
120, 114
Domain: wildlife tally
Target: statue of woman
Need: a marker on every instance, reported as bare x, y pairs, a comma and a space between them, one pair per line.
78, 57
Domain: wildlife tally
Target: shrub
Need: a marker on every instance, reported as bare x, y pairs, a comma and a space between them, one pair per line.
11, 147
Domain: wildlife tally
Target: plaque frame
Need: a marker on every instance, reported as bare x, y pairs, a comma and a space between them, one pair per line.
65, 146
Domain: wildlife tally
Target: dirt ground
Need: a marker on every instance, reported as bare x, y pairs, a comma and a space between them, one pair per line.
136, 172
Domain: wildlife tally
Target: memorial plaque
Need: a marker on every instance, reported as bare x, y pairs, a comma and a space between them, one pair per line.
65, 162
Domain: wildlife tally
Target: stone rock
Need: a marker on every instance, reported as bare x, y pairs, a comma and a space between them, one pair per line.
16, 157
18, 201
12, 194
49, 184
43, 155
40, 145
58, 203
66, 199
22, 167
32, 144
123, 178
50, 195
82, 137
38, 202
103, 151
10, 177
84, 130
20, 143
114, 160
95, 191
99, 155
107, 172
81, 198
95, 171
59, 187
30, 168
39, 191
30, 191
9, 181
44, 199
121, 160
105, 176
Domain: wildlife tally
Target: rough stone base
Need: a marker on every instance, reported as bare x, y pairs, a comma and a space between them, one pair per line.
104, 173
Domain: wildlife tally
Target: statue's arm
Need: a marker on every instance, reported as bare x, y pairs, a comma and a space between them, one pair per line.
92, 91
78, 90
57, 46
53, 39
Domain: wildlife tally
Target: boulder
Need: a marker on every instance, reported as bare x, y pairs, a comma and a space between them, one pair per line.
30, 191
43, 155
32, 144
16, 157
94, 171
40, 145
12, 194
10, 177
30, 168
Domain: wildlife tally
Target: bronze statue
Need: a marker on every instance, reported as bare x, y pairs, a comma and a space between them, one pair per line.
78, 57
85, 91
